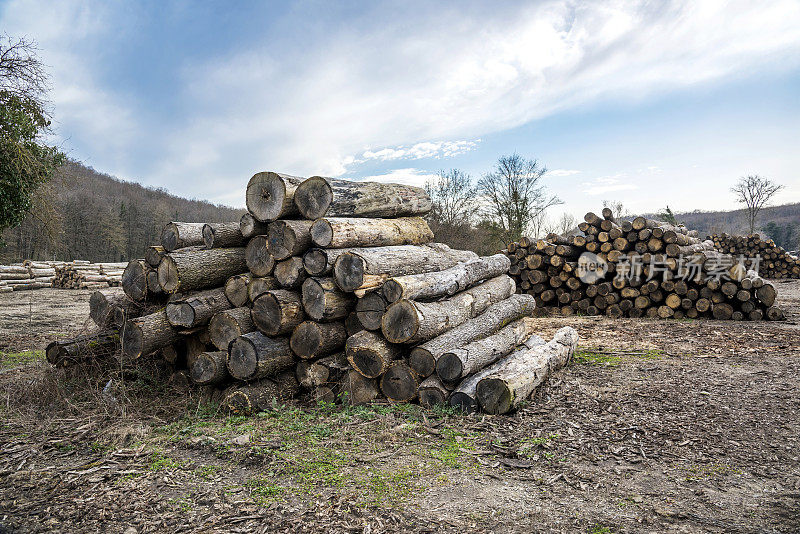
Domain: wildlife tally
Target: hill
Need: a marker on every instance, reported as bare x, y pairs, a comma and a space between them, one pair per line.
85, 214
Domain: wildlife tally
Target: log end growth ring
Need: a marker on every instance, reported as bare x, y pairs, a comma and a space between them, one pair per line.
266, 314
168, 275
313, 197
265, 195
242, 358
449, 367
349, 271
321, 233
493, 395
400, 322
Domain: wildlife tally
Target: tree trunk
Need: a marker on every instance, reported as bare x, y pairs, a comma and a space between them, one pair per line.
370, 267
408, 321
236, 289
370, 354
370, 309
228, 325
249, 226
102, 304
219, 235
64, 353
270, 196
259, 396
310, 339
198, 309
399, 383
290, 273
505, 388
258, 286
356, 389
319, 196
432, 392
210, 368
177, 235
277, 312
472, 357
445, 283
323, 301
145, 335
423, 357
200, 269
358, 232
288, 238
258, 259
254, 356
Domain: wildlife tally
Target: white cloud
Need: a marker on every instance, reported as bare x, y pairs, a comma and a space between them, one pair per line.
437, 150
408, 176
562, 172
607, 184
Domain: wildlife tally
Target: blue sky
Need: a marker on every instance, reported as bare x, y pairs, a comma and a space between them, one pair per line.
613, 97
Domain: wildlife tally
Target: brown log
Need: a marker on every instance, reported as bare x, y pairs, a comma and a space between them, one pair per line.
134, 279
288, 238
277, 312
319, 262
356, 389
197, 310
209, 368
254, 356
370, 267
219, 235
319, 196
260, 285
177, 235
408, 321
270, 196
423, 357
258, 259
68, 352
145, 335
250, 227
341, 232
432, 392
236, 289
505, 388
153, 255
200, 269
370, 309
311, 340
399, 383
102, 304
447, 282
228, 325
370, 354
290, 273
324, 371
352, 324
323, 301
261, 395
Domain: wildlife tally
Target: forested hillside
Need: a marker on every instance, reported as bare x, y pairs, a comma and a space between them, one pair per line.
84, 214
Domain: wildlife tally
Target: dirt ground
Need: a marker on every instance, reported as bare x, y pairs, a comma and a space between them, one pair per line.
679, 426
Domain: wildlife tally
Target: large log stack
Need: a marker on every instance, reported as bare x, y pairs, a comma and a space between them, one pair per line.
773, 261
333, 289
645, 268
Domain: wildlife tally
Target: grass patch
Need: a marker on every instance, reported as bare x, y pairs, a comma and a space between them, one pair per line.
160, 461
16, 359
612, 358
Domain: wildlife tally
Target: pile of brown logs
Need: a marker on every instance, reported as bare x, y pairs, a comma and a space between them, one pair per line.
773, 261
27, 275
332, 289
638, 268
81, 274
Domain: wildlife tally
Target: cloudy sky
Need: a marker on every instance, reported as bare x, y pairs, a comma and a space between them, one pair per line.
649, 102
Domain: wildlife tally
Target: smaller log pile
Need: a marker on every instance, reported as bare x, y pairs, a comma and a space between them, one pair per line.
81, 274
27, 275
333, 289
645, 268
773, 261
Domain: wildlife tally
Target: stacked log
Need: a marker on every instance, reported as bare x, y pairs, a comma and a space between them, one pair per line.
28, 275
639, 268
326, 287
85, 275
773, 261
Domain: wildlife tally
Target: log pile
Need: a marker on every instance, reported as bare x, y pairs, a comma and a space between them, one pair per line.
27, 275
80, 274
638, 268
333, 290
773, 261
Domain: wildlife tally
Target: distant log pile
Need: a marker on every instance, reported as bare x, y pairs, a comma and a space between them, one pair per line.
773, 261
334, 290
638, 268
76, 274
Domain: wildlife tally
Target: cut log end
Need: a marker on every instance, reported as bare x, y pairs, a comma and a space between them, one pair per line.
399, 383
315, 262
242, 358
306, 339
494, 395
313, 298
180, 314
349, 272
449, 367
265, 196
392, 291
168, 275
400, 322
313, 197
321, 233
422, 361
169, 237
463, 402
267, 314
132, 340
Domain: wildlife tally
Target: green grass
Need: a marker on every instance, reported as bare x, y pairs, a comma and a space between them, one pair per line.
599, 529
16, 359
160, 461
611, 358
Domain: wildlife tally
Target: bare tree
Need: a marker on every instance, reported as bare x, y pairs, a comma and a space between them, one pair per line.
453, 197
617, 208
754, 192
566, 224
514, 196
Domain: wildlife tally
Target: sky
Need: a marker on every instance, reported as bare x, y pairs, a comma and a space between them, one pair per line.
645, 102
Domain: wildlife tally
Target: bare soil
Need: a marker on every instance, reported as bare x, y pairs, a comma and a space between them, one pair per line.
680, 426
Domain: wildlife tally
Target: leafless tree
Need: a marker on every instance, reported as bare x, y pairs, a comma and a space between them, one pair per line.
754, 192
566, 224
617, 208
514, 197
453, 197
22, 73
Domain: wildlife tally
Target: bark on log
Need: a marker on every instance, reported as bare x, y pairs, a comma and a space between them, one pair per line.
102, 304
370, 267
277, 312
459, 362
353, 324
290, 273
145, 335
258, 286
177, 235
258, 259
254, 356
219, 235
65, 353
311, 340
184, 271
288, 238
319, 196
423, 357
250, 227
323, 301
356, 389
228, 325
370, 354
261, 395
342, 232
408, 321
270, 195
198, 309
236, 289
432, 392
324, 371
447, 282
399, 383
503, 390
210, 368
